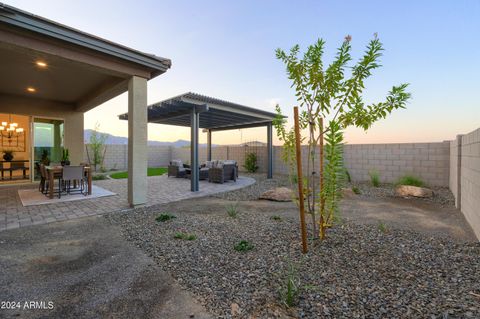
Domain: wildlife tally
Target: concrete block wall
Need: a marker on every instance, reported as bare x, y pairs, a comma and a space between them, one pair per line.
470, 179
116, 156
428, 161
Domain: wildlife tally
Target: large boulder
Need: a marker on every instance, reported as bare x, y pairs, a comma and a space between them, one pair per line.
413, 191
279, 194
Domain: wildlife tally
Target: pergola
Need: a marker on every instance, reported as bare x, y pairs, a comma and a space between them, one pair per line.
211, 114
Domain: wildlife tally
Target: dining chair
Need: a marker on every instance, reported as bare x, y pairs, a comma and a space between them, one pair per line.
72, 174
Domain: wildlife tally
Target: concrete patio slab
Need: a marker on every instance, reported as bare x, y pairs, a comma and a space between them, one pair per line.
85, 269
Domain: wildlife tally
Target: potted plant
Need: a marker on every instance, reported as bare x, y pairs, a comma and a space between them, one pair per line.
8, 155
65, 157
44, 159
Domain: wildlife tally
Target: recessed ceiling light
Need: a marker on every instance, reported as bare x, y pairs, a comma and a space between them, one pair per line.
31, 89
41, 64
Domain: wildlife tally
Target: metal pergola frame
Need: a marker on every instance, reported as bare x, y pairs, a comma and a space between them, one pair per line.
211, 114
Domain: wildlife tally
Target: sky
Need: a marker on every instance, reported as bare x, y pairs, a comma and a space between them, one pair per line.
226, 49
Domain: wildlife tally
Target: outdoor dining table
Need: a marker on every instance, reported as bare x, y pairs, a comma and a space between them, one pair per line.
52, 170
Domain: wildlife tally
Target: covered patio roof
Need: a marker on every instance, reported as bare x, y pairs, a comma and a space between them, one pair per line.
199, 111
216, 114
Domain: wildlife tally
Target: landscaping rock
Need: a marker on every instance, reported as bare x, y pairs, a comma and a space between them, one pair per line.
279, 194
403, 273
414, 191
348, 193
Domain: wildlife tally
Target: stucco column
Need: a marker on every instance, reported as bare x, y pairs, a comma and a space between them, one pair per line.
74, 137
137, 141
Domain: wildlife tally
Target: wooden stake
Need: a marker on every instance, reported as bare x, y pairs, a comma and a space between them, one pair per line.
301, 204
322, 180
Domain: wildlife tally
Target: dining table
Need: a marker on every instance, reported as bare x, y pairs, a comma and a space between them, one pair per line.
58, 169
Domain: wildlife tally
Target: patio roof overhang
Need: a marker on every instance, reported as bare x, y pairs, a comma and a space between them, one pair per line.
216, 114
82, 70
199, 111
51, 70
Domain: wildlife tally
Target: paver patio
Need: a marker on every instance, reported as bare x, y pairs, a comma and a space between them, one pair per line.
161, 190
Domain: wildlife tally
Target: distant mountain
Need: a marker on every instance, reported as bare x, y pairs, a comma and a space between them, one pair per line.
112, 139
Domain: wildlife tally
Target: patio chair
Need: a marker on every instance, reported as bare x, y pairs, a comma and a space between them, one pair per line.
223, 171
177, 169
74, 174
44, 187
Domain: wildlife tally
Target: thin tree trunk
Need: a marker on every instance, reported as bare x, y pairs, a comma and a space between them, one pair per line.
322, 180
301, 204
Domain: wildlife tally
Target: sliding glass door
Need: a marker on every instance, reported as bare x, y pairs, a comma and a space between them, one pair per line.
48, 135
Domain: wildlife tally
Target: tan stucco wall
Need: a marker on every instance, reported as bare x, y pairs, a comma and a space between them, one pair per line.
34, 107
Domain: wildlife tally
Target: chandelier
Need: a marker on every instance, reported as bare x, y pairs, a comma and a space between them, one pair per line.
10, 129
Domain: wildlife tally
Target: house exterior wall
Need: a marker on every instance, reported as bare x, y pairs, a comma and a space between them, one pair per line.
34, 107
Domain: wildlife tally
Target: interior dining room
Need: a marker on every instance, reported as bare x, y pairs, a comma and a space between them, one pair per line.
15, 148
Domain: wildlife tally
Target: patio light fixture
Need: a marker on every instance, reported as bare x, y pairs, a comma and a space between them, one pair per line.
41, 64
10, 129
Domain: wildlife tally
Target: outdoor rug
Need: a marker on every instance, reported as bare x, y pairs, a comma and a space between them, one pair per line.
30, 197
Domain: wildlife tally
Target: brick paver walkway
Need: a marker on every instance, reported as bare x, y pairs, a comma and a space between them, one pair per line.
161, 189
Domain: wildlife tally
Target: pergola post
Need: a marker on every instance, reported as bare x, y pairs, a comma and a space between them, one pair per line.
194, 125
269, 151
209, 145
137, 141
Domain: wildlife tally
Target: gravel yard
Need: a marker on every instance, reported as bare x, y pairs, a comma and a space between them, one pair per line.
359, 271
252, 192
441, 195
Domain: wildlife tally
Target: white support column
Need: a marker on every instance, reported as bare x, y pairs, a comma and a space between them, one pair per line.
137, 141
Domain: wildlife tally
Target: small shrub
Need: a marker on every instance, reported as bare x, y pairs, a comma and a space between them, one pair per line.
290, 288
375, 178
99, 177
185, 236
382, 227
276, 218
294, 179
243, 245
347, 176
251, 163
232, 210
356, 190
410, 180
165, 217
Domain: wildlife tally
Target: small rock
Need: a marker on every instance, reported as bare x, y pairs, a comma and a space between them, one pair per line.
235, 309
279, 194
407, 190
348, 193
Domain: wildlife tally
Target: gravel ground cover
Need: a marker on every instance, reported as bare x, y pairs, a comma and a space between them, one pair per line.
360, 271
442, 195
252, 192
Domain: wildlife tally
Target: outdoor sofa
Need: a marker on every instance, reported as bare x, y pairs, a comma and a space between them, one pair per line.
221, 171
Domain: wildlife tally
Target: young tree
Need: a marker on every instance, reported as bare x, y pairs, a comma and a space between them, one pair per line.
327, 92
97, 147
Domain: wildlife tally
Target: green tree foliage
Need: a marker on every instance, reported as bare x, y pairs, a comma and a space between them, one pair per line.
333, 93
97, 147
